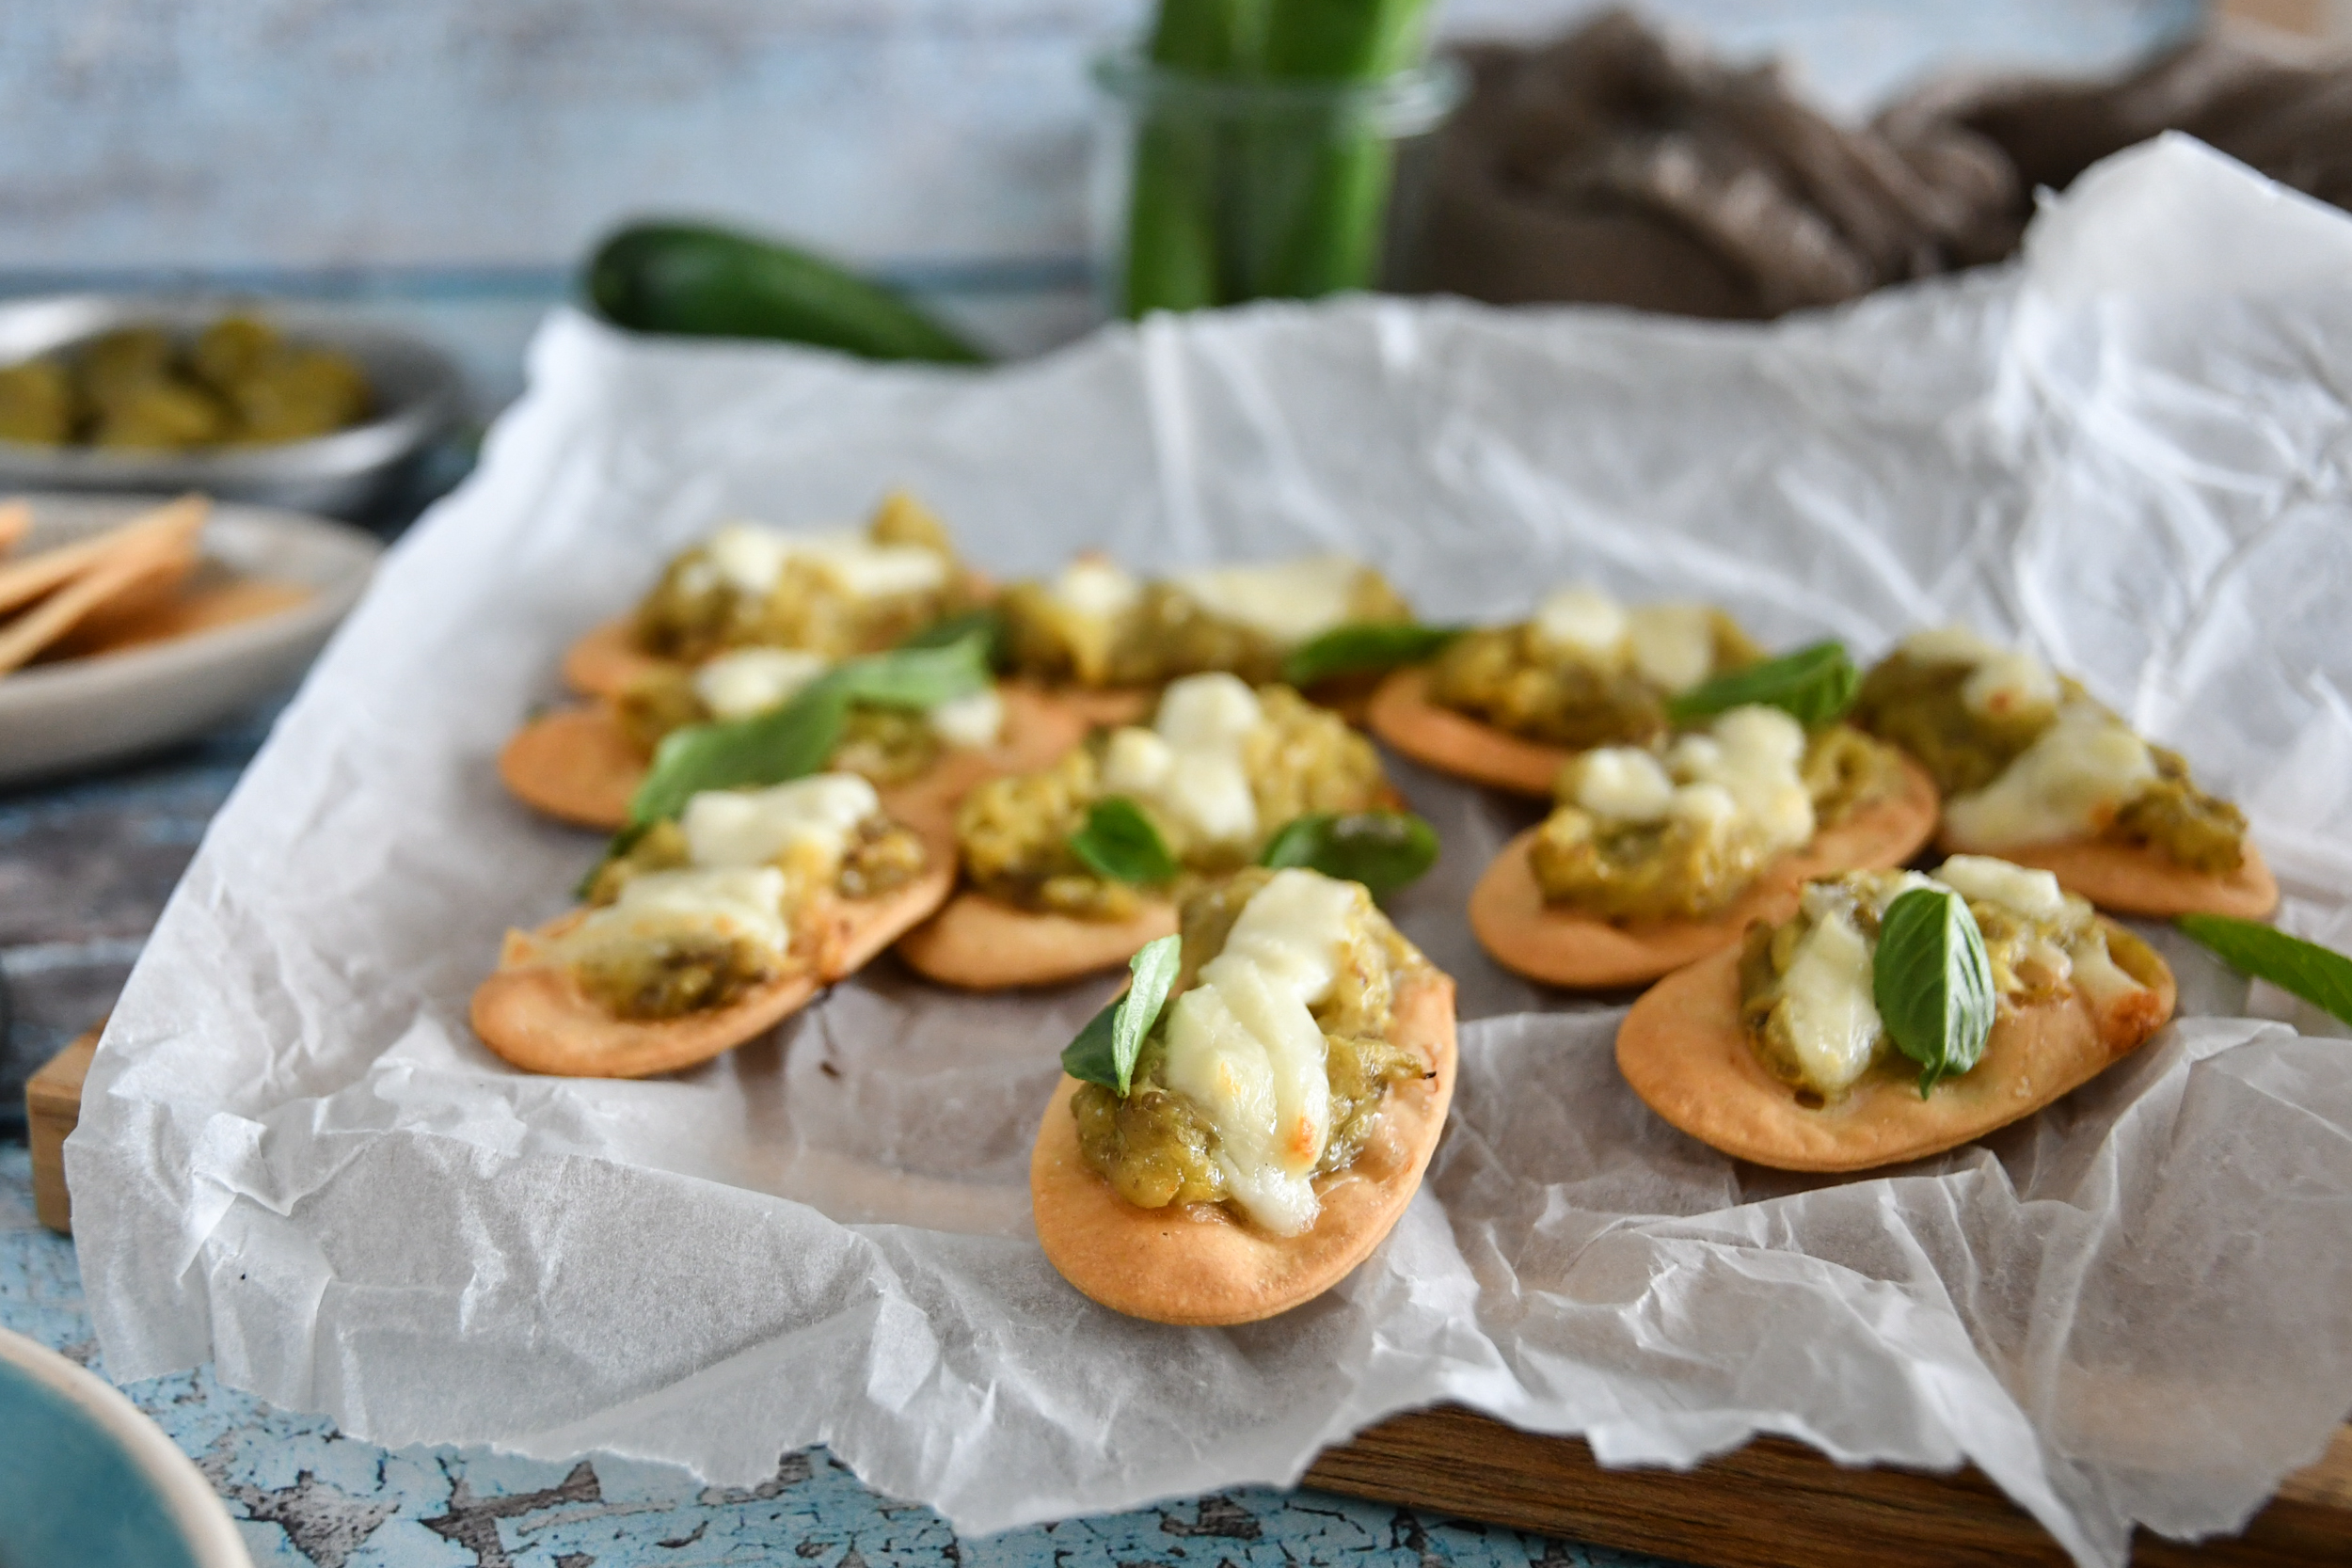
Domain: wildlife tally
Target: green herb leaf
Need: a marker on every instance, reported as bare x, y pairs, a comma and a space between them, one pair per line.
1361, 645
2319, 976
798, 738
951, 630
1120, 842
787, 742
1932, 982
1106, 1050
1814, 685
1382, 849
912, 677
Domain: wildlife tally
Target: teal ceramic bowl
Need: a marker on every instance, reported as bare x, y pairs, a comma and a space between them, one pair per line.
85, 1479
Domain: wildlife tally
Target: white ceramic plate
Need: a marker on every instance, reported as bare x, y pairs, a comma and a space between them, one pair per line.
55, 717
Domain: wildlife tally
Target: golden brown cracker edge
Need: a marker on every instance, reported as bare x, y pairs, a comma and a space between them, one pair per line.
1199, 1266
1563, 946
534, 1014
1683, 1048
1402, 714
976, 942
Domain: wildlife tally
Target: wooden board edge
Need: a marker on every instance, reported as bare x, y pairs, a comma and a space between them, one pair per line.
53, 1106
1778, 1504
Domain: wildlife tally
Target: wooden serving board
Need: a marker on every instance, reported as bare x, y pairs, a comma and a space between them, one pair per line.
1772, 1504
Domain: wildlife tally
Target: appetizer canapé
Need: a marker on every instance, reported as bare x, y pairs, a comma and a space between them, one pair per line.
752, 586
2032, 768
1817, 1046
1653, 857
583, 763
1275, 1122
1099, 628
710, 927
1506, 705
1220, 770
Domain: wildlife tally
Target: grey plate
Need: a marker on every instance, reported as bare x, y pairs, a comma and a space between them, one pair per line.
55, 717
417, 396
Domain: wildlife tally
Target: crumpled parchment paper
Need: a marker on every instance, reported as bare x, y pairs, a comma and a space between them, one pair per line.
2133, 449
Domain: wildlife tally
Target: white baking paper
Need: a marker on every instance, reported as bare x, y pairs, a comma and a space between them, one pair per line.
2133, 449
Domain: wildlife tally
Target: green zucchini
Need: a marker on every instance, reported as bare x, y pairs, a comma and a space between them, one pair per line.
704, 281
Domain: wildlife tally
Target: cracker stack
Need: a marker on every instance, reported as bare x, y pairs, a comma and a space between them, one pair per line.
77, 591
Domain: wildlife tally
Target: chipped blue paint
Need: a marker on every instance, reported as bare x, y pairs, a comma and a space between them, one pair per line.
305, 1494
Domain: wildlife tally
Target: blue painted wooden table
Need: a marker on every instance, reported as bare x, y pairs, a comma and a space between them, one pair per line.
83, 870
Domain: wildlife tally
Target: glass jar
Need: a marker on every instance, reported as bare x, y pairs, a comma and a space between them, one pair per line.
1211, 190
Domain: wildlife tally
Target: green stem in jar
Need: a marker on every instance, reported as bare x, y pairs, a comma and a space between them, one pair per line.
1172, 204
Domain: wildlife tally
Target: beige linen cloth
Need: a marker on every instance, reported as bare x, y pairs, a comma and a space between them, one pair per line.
1621, 167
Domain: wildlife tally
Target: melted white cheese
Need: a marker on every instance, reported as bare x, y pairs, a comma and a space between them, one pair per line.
971, 723
1584, 619
738, 684
1756, 755
1244, 1048
810, 819
750, 557
1832, 1022
1982, 880
1673, 645
2001, 681
1096, 587
738, 903
2071, 782
1189, 763
1624, 783
1289, 601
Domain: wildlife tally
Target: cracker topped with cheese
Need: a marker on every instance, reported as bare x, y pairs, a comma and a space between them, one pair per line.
1278, 1119
1785, 1051
834, 592
1656, 855
2033, 768
1507, 706
1218, 771
1097, 625
711, 927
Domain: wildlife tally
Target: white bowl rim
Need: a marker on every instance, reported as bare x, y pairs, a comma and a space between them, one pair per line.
203, 1519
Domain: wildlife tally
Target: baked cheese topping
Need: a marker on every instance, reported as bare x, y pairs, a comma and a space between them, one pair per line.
2002, 682
1671, 645
1288, 601
1095, 588
744, 681
750, 557
726, 905
2070, 783
1190, 764
1244, 1048
1745, 769
810, 820
1824, 1017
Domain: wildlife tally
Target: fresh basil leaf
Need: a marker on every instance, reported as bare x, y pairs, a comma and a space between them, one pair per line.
1932, 982
951, 630
1106, 1049
1154, 967
2319, 976
1814, 685
787, 742
1120, 842
1093, 1058
920, 679
1361, 645
1382, 849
